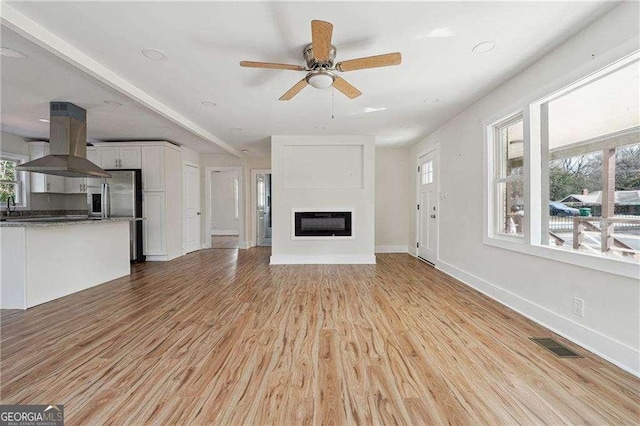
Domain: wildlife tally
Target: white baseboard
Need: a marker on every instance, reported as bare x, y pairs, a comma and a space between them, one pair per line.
605, 347
348, 259
244, 244
392, 249
157, 258
224, 232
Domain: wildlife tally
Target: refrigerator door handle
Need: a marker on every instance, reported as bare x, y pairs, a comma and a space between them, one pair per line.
106, 204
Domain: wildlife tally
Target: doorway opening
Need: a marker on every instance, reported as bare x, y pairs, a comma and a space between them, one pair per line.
224, 208
263, 209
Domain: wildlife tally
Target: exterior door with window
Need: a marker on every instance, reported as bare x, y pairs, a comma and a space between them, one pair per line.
192, 208
427, 213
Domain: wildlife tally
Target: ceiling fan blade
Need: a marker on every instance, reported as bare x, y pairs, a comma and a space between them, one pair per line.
370, 62
271, 65
294, 90
346, 88
321, 39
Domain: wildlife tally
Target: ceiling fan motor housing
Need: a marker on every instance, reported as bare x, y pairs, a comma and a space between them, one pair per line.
313, 63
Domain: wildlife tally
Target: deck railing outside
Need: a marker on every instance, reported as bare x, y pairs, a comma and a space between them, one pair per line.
619, 234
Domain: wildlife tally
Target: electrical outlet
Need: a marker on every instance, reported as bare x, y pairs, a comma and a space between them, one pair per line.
578, 307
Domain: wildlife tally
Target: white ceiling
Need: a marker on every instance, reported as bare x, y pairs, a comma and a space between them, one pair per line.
28, 85
205, 41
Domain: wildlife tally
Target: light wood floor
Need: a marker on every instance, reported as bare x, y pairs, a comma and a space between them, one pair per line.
225, 241
220, 337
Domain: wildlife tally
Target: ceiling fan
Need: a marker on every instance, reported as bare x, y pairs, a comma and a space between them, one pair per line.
321, 72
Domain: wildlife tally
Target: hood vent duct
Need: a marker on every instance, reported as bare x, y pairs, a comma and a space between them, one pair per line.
68, 145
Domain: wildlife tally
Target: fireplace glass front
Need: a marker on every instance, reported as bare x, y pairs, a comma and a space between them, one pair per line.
323, 224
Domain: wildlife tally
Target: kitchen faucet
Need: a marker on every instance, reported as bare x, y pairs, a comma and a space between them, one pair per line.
11, 200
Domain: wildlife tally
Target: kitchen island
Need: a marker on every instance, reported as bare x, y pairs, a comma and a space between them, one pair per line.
43, 259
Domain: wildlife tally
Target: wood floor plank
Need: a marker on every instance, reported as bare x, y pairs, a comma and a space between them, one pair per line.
221, 337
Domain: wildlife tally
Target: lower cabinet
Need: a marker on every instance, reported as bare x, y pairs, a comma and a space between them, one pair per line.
153, 228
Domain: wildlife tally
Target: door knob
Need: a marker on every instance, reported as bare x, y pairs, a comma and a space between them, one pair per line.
433, 216
198, 213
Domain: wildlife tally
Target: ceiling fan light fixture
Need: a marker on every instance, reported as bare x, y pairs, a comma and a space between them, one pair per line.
320, 79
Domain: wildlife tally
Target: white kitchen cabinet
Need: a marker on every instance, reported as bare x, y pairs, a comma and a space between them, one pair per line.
153, 228
153, 168
92, 155
162, 200
41, 183
130, 157
75, 185
161, 165
119, 157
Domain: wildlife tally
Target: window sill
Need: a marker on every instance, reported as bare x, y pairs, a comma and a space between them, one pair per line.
620, 267
17, 208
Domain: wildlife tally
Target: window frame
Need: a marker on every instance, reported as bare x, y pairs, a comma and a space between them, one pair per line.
492, 179
495, 171
532, 109
24, 182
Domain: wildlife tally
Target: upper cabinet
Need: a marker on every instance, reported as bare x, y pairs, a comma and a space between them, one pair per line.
41, 183
118, 157
153, 167
92, 155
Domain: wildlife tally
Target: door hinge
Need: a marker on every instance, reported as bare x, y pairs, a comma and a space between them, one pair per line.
418, 169
417, 245
418, 206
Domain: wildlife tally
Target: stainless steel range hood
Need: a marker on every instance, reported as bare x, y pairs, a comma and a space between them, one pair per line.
68, 145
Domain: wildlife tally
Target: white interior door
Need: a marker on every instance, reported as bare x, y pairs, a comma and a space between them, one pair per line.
428, 205
260, 210
192, 208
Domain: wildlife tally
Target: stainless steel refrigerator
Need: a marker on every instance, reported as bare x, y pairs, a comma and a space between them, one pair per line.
119, 196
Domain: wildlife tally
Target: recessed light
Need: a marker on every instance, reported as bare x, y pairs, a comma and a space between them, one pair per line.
12, 53
154, 54
44, 120
236, 129
443, 32
113, 103
320, 127
484, 47
209, 104
245, 151
405, 126
431, 100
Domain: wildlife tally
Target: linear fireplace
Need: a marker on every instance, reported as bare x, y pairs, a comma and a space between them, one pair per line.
322, 224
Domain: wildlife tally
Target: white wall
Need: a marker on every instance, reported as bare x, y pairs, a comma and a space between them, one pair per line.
352, 187
538, 287
392, 200
223, 220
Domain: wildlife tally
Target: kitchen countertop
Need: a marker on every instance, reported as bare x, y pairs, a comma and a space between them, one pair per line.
43, 222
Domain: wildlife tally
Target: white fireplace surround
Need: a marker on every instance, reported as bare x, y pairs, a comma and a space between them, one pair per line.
323, 173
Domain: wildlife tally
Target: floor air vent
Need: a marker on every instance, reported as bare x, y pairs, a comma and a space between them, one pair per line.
558, 349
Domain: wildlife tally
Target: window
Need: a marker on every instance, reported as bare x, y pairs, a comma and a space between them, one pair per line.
426, 172
13, 184
508, 182
591, 149
563, 176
